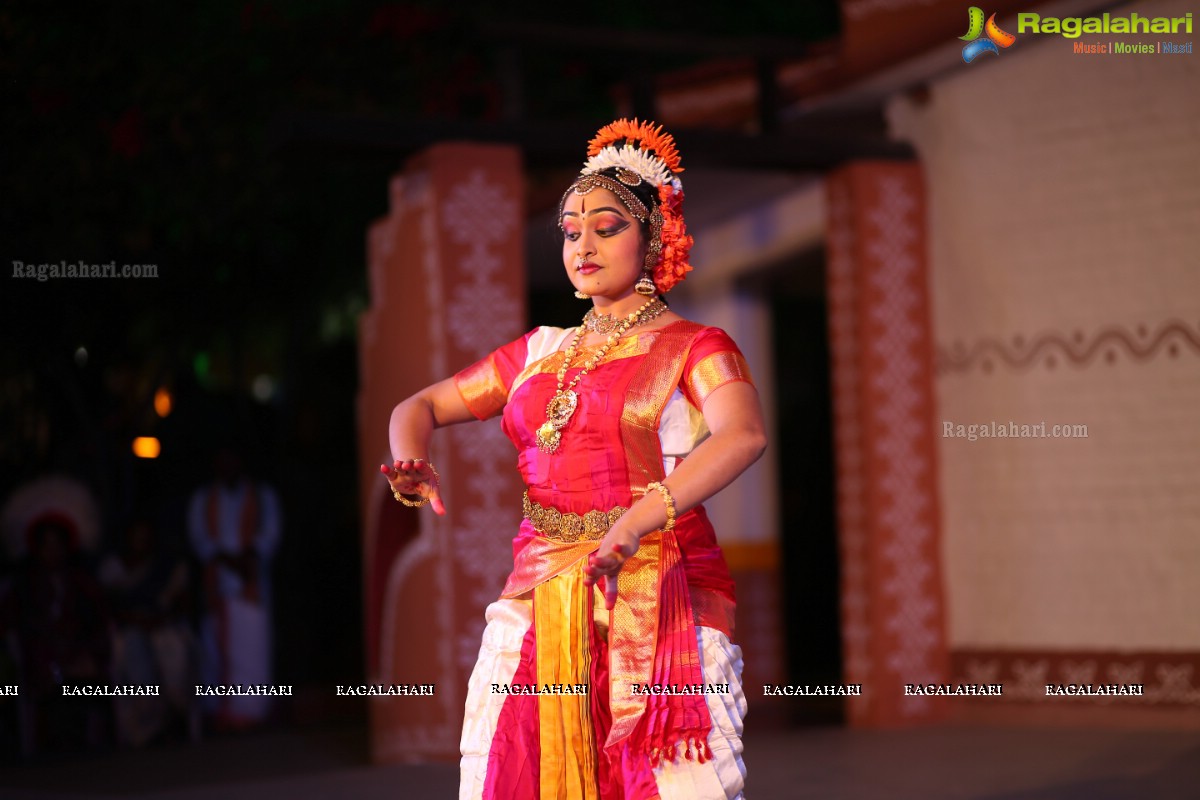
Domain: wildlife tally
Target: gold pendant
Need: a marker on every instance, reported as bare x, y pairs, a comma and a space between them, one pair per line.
548, 438
559, 411
561, 407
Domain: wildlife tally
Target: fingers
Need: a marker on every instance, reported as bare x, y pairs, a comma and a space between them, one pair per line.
599, 566
610, 592
595, 570
409, 471
412, 467
608, 586
417, 466
435, 499
602, 570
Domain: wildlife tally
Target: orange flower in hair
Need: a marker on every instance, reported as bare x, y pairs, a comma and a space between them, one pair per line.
672, 266
644, 135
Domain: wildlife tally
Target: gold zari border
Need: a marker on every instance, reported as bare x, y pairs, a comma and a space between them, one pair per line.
714, 371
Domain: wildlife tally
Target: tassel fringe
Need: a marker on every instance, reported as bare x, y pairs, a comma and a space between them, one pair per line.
694, 749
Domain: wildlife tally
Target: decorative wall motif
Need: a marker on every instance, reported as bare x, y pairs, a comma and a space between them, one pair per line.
1109, 345
478, 215
484, 312
851, 501
1169, 679
905, 514
489, 512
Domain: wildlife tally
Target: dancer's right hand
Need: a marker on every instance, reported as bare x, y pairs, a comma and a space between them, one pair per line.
415, 476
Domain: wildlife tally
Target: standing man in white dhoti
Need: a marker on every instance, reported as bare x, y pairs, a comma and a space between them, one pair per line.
234, 527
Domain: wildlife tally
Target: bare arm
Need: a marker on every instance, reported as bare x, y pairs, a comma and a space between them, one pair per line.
409, 431
738, 438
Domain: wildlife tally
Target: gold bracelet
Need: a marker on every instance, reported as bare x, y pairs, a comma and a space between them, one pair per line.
668, 501
424, 500
410, 503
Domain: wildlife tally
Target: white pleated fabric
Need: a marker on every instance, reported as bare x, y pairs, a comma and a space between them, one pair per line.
721, 778
499, 656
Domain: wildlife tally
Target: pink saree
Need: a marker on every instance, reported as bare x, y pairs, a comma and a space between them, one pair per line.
607, 742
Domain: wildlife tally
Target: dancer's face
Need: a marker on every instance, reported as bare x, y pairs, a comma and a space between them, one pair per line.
603, 249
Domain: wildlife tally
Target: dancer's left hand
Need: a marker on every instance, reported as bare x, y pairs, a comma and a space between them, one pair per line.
603, 565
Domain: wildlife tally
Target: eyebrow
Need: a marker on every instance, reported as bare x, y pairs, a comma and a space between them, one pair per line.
616, 211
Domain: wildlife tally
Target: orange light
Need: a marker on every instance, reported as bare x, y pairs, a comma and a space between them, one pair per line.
146, 447
162, 401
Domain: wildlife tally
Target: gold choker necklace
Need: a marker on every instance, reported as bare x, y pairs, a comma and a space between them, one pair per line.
562, 405
605, 324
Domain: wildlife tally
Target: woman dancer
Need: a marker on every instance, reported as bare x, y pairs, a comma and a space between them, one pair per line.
610, 644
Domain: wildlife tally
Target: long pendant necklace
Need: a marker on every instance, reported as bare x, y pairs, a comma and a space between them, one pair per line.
563, 404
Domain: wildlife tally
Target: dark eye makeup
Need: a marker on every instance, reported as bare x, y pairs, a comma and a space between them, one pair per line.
608, 230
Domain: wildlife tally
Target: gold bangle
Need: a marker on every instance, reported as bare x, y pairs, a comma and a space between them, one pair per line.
409, 503
668, 501
423, 500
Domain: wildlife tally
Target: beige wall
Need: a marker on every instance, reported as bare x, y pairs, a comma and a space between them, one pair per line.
1064, 202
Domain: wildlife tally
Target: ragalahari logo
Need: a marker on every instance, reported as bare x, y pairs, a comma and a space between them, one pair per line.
996, 38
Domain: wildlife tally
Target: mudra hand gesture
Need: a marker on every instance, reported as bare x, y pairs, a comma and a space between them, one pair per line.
603, 565
415, 482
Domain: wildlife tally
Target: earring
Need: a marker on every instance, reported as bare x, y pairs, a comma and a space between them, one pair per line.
645, 285
582, 295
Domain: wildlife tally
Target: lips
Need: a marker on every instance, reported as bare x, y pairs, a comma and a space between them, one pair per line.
588, 267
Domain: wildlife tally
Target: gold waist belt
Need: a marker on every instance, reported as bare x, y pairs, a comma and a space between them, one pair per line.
569, 527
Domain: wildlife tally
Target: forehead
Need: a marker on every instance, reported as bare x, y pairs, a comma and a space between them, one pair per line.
597, 198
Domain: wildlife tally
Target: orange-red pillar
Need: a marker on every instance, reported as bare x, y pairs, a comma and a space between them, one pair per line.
447, 286
893, 628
